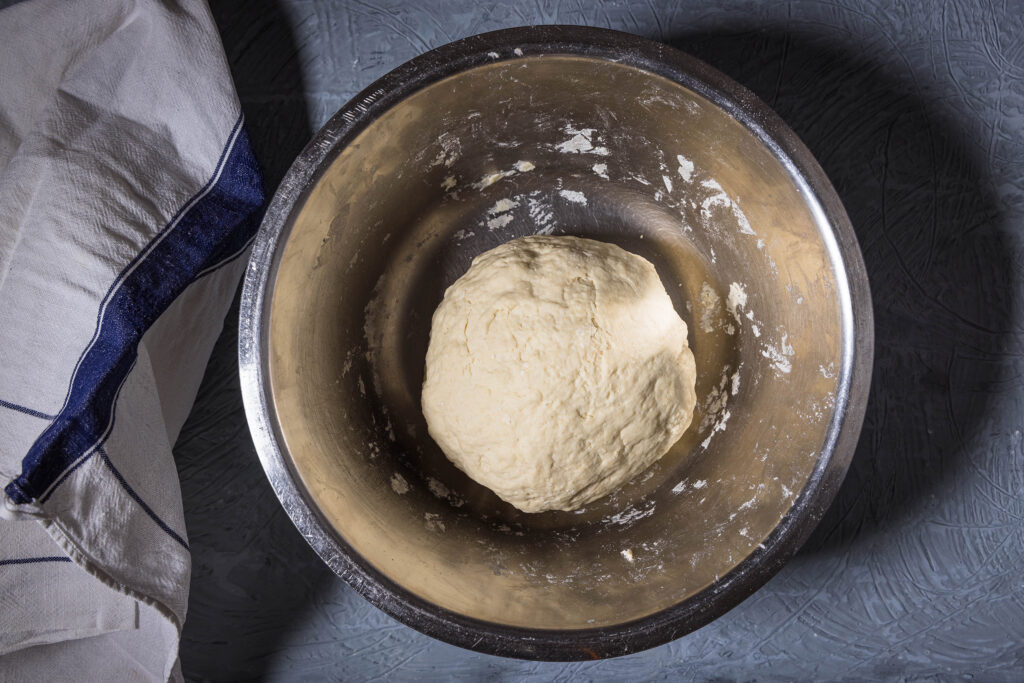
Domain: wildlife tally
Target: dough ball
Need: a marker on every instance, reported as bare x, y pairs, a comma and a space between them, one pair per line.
557, 370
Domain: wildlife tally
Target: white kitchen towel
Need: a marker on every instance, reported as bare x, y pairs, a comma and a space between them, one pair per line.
128, 198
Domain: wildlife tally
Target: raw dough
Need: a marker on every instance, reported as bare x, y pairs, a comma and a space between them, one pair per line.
557, 371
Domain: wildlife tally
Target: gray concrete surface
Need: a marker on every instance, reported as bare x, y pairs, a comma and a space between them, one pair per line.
916, 111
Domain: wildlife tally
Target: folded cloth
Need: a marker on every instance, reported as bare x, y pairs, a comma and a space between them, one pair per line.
128, 198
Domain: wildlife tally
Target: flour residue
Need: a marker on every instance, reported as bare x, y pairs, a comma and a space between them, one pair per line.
719, 427
399, 485
717, 198
778, 356
815, 411
451, 150
574, 196
441, 491
499, 222
541, 212
627, 554
433, 522
630, 514
491, 178
737, 303
720, 200
600, 170
750, 503
580, 142
437, 488
349, 357
503, 205
685, 168
714, 410
736, 300
709, 303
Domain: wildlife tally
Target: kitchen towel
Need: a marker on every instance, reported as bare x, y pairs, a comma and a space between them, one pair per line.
128, 199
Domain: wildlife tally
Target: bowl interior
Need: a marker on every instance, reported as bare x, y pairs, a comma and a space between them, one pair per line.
571, 145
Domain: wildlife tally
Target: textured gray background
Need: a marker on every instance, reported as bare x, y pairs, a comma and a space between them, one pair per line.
916, 111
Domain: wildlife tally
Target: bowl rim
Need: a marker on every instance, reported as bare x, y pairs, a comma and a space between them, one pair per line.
854, 376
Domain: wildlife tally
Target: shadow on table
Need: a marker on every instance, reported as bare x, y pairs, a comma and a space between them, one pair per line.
925, 213
253, 575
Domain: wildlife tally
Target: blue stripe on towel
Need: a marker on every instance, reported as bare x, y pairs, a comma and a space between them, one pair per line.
34, 560
214, 227
157, 239
145, 508
25, 411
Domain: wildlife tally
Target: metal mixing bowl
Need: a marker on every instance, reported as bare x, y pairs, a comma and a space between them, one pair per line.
566, 131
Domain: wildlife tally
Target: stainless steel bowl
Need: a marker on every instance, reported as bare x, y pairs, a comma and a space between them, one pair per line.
568, 131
